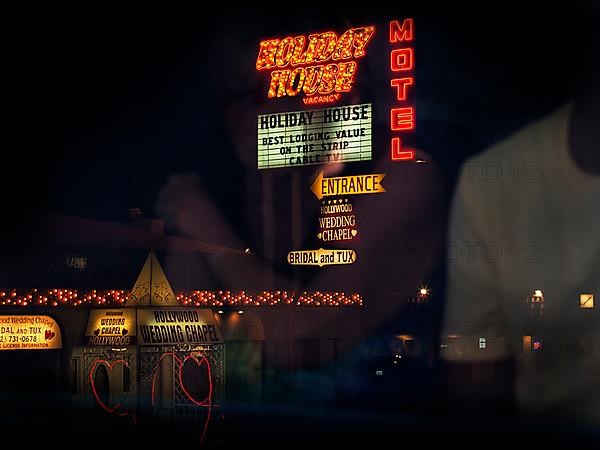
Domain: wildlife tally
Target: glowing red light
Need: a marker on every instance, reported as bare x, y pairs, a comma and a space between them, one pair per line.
399, 153
402, 118
401, 33
207, 401
402, 59
401, 85
52, 297
109, 366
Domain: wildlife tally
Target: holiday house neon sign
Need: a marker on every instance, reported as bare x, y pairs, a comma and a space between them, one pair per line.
322, 65
402, 61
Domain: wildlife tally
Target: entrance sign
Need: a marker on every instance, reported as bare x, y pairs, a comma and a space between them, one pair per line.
350, 185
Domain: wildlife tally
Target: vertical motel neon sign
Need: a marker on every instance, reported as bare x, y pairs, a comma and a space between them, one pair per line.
402, 58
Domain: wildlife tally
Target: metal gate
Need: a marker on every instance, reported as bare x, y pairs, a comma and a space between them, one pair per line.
143, 364
121, 368
183, 406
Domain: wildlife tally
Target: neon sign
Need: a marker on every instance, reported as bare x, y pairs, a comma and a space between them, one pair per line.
322, 65
112, 409
402, 62
207, 402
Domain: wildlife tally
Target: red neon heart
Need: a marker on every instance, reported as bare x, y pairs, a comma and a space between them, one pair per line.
207, 401
203, 360
109, 365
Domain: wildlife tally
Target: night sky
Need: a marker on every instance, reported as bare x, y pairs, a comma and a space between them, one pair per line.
113, 97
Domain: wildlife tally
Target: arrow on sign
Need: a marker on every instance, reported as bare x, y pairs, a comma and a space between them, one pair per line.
350, 185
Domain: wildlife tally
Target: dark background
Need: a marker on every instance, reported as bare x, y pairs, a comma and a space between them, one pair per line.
113, 97
110, 98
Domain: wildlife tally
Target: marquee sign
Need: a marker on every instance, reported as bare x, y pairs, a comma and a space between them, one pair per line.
172, 326
322, 65
301, 138
111, 327
29, 333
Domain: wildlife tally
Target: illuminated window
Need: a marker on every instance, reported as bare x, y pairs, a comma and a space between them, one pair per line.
536, 303
526, 344
586, 301
482, 343
531, 343
537, 296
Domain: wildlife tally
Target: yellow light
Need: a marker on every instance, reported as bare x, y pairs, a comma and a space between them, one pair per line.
586, 301
423, 291
19, 336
